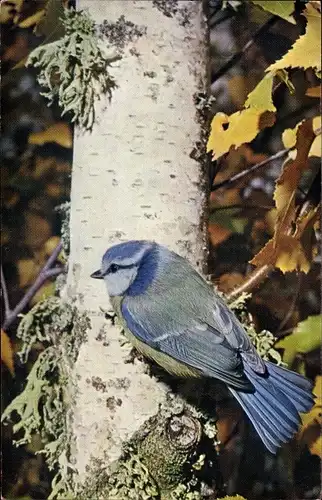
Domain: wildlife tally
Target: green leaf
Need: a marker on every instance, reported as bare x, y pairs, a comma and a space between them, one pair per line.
261, 97
281, 8
229, 219
305, 338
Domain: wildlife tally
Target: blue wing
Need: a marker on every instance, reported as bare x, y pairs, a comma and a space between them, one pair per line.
197, 345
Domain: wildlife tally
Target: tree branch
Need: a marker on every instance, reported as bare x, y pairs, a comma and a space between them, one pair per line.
4, 294
46, 272
240, 207
252, 281
243, 173
236, 57
311, 200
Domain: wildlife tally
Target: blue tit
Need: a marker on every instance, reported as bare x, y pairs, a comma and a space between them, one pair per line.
172, 315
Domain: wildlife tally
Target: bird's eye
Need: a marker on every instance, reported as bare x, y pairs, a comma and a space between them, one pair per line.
113, 268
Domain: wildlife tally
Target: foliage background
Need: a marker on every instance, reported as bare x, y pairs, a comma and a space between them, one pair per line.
36, 147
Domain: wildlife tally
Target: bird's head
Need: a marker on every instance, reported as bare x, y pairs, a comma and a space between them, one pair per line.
129, 268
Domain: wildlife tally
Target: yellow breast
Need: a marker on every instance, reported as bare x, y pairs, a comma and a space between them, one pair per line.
167, 362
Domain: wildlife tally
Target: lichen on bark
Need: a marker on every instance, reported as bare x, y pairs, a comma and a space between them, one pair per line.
76, 69
43, 406
164, 460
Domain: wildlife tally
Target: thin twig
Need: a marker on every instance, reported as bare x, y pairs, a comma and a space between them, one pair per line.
240, 207
249, 171
290, 312
46, 272
236, 57
252, 281
4, 292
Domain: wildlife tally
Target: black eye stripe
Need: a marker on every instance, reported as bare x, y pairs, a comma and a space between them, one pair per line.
113, 268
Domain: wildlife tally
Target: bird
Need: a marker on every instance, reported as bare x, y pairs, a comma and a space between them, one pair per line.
173, 316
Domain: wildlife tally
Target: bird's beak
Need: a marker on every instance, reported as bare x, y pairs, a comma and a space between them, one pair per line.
97, 275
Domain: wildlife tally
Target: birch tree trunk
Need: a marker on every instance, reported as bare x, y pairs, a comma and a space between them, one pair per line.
133, 178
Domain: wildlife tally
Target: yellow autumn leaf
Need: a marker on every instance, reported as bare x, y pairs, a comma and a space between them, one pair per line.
316, 446
235, 497
314, 92
236, 129
290, 252
306, 51
60, 133
292, 246
7, 352
261, 97
316, 147
289, 137
45, 291
27, 271
50, 246
284, 252
291, 255
310, 432
317, 144
32, 20
281, 8
316, 4
10, 10
287, 183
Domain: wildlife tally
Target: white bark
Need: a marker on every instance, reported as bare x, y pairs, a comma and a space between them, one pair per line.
133, 179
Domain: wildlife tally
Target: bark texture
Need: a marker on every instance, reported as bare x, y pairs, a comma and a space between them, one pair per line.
133, 178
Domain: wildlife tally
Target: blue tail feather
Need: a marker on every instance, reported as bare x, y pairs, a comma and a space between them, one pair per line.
267, 415
301, 398
289, 376
255, 417
274, 397
274, 405
284, 429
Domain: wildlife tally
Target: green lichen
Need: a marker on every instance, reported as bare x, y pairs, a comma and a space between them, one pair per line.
41, 407
132, 480
171, 8
162, 461
75, 69
235, 4
238, 304
41, 323
181, 492
121, 32
169, 450
264, 341
64, 211
28, 403
126, 478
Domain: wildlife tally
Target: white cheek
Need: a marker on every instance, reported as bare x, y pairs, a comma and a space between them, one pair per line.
118, 283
